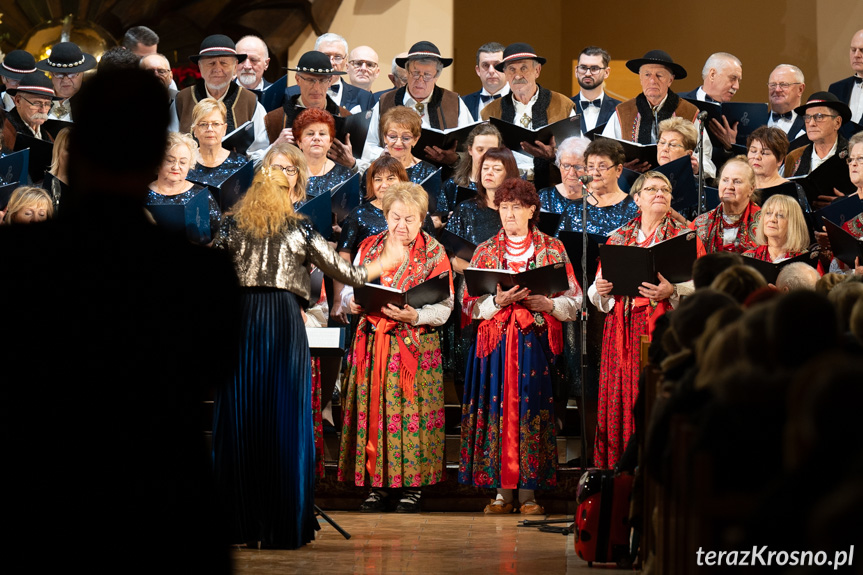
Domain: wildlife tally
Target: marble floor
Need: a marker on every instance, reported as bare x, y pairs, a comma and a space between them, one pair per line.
440, 543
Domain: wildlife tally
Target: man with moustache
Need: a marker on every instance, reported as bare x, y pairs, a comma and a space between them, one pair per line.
592, 103
438, 108
66, 65
494, 83
16, 65
785, 88
32, 98
250, 72
217, 60
529, 105
351, 98
850, 90
722, 74
363, 68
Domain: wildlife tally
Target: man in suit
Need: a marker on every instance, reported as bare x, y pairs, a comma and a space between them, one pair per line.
250, 72
349, 97
363, 67
850, 90
494, 84
721, 75
592, 103
785, 91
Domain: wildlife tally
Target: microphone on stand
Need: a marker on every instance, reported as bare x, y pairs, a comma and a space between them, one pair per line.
701, 116
585, 179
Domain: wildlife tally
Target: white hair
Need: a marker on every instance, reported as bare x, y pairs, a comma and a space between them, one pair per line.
330, 37
718, 61
798, 73
260, 40
574, 145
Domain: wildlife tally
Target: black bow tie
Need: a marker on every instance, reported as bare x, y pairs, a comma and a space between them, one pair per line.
486, 98
588, 103
858, 79
776, 116
335, 88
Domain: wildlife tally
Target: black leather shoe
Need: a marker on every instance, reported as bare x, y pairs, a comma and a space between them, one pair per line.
410, 502
375, 502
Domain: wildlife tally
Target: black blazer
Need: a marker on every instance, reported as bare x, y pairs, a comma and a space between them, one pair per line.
842, 89
605, 111
692, 94
351, 97
472, 102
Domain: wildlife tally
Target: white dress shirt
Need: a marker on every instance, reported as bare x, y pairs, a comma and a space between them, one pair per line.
856, 102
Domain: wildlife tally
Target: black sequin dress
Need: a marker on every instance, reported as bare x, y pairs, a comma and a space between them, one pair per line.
217, 175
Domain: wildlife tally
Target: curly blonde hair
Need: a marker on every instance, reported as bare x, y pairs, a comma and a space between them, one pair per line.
179, 139
267, 208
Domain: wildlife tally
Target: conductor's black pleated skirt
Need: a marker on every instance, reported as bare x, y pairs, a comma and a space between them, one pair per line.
262, 432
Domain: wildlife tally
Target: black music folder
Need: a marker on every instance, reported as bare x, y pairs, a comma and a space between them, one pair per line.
636, 151
345, 196
573, 243
463, 194
832, 173
545, 280
841, 210
40, 155
432, 185
319, 212
846, 248
627, 267
747, 115
13, 167
241, 139
355, 125
771, 270
549, 222
456, 245
234, 187
443, 139
274, 95
191, 217
515, 134
373, 297
6, 193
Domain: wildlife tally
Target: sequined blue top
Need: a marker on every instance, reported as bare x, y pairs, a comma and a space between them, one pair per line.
319, 184
474, 223
156, 199
450, 188
419, 172
552, 200
364, 221
216, 176
601, 221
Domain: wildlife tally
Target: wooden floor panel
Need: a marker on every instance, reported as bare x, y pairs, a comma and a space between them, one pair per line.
441, 543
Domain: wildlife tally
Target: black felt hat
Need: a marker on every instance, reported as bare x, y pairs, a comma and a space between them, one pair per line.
421, 50
825, 99
66, 58
315, 62
17, 64
518, 51
658, 57
35, 83
217, 45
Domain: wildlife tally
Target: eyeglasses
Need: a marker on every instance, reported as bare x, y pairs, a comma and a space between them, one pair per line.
395, 138
324, 81
424, 77
38, 105
817, 117
589, 69
62, 75
288, 170
336, 58
161, 71
363, 64
854, 160
568, 167
667, 144
781, 85
656, 191
602, 168
181, 162
210, 125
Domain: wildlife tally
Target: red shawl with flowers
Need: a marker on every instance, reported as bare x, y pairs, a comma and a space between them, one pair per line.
427, 259
855, 226
710, 226
491, 254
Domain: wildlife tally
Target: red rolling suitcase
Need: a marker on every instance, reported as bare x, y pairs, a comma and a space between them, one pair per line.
602, 517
